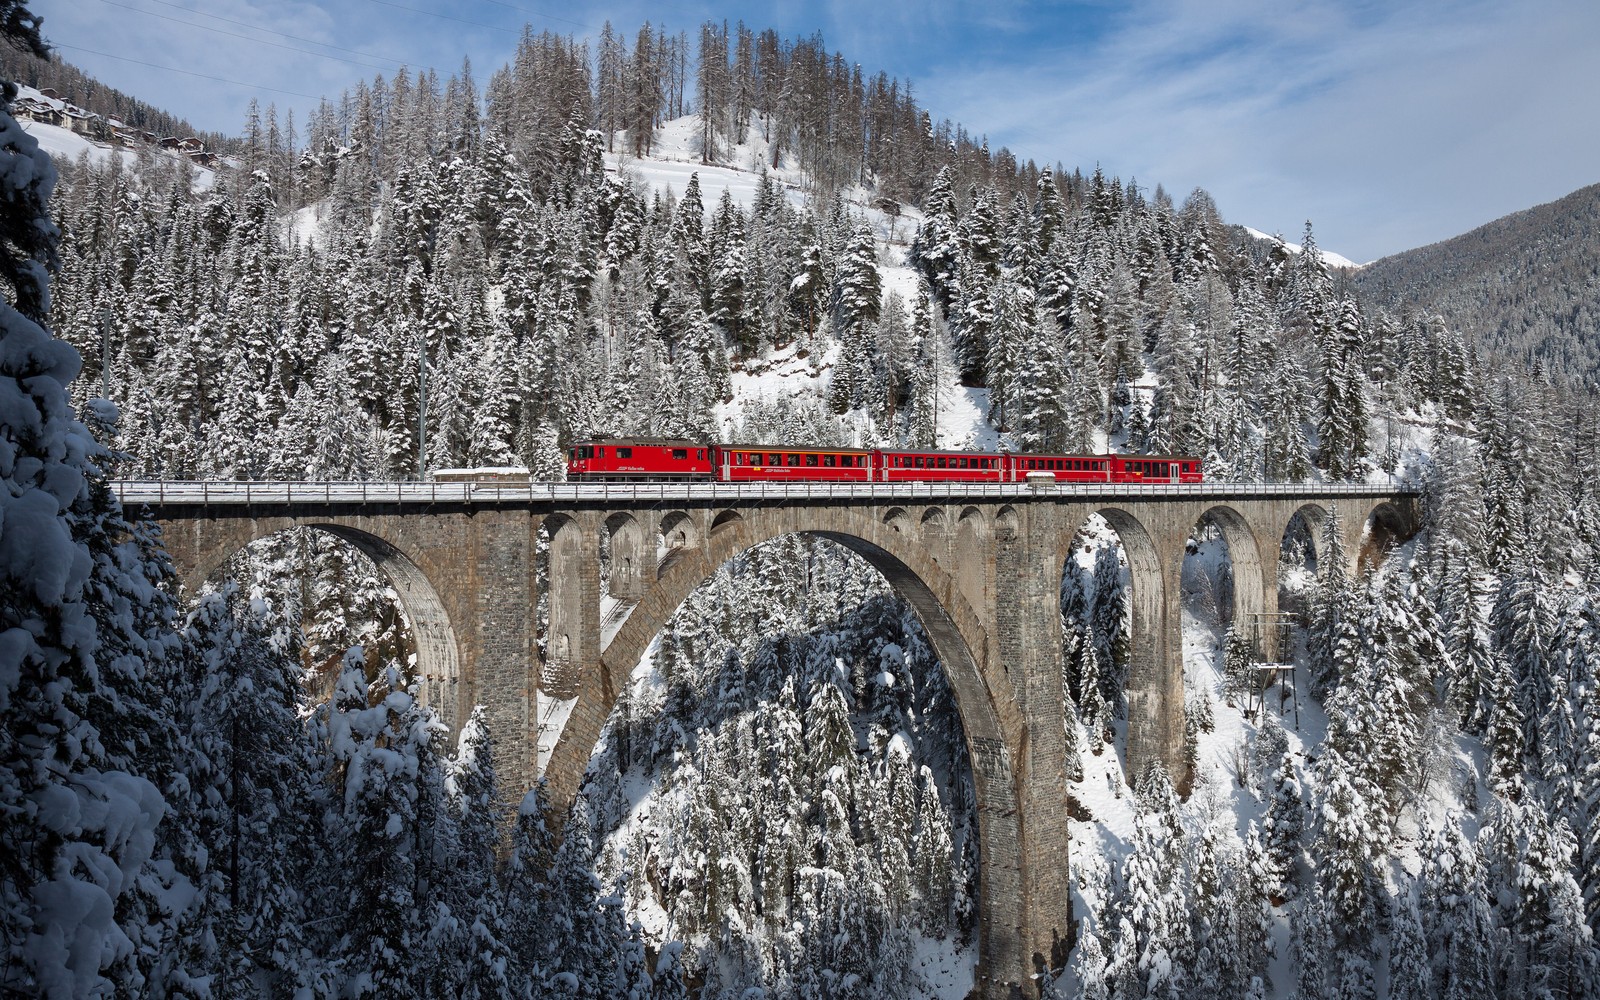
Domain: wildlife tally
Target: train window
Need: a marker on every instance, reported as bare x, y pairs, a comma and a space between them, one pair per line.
624, 452
680, 454
830, 461
811, 461
700, 454
599, 453
793, 461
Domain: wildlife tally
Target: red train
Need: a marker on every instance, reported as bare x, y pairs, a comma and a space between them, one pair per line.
650, 460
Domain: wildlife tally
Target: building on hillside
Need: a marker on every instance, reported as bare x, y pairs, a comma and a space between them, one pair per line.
32, 109
79, 120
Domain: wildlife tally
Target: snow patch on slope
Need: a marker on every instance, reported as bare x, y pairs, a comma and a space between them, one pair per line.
65, 143
1330, 258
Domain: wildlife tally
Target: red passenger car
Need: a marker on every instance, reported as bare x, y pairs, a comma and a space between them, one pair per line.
653, 459
771, 463
1157, 469
1109, 468
940, 467
638, 460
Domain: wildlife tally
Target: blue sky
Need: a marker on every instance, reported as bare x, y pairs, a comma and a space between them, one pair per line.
1388, 124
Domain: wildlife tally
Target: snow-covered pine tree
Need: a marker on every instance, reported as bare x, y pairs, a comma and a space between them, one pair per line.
1312, 945
78, 818
1410, 974
1351, 846
1153, 939
1456, 918
1089, 964
247, 718
472, 886
1285, 822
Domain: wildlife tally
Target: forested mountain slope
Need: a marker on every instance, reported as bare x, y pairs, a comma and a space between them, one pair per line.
1525, 286
1434, 826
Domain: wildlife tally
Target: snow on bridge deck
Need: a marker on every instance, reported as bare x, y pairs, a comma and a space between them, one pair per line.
217, 493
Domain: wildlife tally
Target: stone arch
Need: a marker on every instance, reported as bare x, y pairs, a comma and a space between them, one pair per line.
626, 570
724, 519
573, 545
678, 533
992, 722
438, 652
1250, 595
1007, 522
1385, 527
935, 531
1291, 595
1314, 516
1154, 690
969, 551
897, 520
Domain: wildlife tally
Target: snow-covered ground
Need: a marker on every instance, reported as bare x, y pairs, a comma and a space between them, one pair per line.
675, 158
65, 143
1334, 260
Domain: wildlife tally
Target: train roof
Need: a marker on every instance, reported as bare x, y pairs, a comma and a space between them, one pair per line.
1124, 455
644, 442
935, 451
796, 447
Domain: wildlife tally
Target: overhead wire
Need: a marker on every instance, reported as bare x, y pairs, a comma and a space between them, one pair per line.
187, 72
446, 17
235, 34
540, 13
285, 34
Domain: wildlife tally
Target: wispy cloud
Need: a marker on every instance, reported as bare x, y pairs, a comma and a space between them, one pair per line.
1390, 124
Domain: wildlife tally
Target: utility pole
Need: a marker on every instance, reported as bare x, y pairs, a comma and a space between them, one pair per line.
422, 405
105, 352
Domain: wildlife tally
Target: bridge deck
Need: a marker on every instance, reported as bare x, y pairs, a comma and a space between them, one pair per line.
455, 494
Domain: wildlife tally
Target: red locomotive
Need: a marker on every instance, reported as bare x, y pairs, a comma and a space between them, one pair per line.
652, 460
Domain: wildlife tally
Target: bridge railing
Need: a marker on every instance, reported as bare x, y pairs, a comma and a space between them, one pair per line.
251, 493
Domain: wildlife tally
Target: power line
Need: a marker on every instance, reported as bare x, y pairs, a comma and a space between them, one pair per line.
186, 72
285, 34
447, 17
540, 13
235, 34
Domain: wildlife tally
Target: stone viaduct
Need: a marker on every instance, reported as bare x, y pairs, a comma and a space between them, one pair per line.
981, 566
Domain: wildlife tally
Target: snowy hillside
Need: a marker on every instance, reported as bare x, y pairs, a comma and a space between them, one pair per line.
785, 377
64, 142
1333, 260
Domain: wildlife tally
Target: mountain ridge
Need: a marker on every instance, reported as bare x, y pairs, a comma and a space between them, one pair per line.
1526, 284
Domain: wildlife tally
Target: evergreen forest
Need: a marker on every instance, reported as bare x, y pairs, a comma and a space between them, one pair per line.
239, 792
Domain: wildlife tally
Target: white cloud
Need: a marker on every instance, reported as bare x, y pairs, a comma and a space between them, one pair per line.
1388, 126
